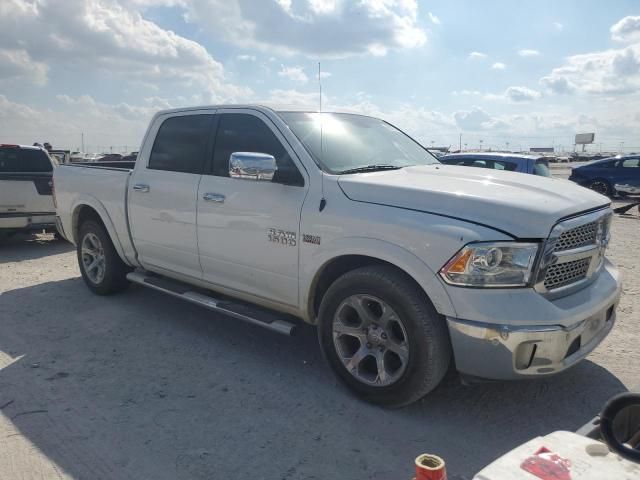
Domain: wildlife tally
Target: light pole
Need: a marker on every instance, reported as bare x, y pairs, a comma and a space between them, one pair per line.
507, 146
481, 144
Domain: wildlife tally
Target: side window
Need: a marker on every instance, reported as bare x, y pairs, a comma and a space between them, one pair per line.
630, 163
606, 164
509, 166
181, 144
541, 168
241, 132
477, 163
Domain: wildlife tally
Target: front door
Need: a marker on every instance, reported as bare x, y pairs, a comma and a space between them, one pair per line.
163, 194
248, 230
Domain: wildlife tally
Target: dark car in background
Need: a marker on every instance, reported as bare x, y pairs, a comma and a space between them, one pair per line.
603, 175
513, 162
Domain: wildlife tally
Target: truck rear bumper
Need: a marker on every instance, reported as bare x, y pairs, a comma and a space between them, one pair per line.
27, 221
505, 351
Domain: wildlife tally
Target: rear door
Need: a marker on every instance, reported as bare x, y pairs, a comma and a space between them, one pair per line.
249, 237
25, 181
628, 171
163, 192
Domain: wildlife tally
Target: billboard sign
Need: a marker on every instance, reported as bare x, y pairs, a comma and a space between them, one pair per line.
542, 149
585, 138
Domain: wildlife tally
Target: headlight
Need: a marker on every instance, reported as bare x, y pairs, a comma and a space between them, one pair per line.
495, 264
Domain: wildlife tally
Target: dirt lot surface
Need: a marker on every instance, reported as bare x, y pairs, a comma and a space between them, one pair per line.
143, 386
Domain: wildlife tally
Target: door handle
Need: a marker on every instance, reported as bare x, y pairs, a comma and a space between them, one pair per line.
142, 188
213, 197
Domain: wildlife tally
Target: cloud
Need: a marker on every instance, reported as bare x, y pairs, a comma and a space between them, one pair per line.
246, 58
279, 99
91, 37
498, 66
521, 94
103, 125
515, 94
314, 27
626, 30
476, 119
18, 64
558, 26
466, 92
611, 72
528, 52
295, 74
477, 55
434, 19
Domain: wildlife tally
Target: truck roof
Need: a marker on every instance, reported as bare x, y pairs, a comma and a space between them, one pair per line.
255, 106
27, 147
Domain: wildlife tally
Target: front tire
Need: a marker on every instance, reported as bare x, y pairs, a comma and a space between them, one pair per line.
101, 267
382, 336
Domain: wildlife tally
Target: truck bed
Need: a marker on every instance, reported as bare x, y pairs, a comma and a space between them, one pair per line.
103, 187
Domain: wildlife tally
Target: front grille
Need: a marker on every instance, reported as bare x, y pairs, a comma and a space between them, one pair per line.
566, 273
577, 237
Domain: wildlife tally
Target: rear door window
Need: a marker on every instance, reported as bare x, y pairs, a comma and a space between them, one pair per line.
630, 163
541, 168
24, 160
181, 144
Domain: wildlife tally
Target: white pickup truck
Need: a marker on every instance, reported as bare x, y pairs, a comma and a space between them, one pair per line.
26, 201
404, 264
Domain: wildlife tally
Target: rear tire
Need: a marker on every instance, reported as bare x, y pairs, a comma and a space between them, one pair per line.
382, 336
601, 186
101, 267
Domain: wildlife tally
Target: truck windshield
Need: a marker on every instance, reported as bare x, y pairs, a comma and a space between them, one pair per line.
24, 160
346, 143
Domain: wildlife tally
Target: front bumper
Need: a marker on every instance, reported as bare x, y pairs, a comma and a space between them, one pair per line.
628, 189
27, 221
512, 350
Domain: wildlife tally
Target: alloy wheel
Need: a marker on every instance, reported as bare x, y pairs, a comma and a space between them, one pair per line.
93, 258
371, 340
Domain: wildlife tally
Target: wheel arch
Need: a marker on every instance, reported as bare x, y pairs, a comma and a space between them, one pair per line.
84, 211
372, 252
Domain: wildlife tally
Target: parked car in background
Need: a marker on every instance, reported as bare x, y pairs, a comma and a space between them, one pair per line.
603, 175
131, 157
61, 156
26, 201
512, 162
111, 157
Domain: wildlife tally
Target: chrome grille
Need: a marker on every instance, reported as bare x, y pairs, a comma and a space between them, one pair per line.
573, 253
566, 273
577, 237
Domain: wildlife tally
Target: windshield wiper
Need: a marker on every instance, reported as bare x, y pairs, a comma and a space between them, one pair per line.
370, 168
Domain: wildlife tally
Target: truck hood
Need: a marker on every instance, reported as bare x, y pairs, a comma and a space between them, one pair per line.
525, 206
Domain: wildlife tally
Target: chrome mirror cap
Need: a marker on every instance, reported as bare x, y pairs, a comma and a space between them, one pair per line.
252, 166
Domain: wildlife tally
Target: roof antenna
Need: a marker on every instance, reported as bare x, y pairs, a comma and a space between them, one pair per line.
320, 87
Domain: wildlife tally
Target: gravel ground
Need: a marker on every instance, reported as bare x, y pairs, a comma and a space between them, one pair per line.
144, 386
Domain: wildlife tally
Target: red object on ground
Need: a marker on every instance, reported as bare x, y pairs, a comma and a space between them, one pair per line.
547, 465
430, 467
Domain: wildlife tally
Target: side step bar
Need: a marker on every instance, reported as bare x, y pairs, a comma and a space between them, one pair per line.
255, 315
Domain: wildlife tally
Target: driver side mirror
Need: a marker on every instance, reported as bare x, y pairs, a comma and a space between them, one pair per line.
252, 166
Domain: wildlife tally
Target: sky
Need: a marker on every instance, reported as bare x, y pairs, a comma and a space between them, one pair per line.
495, 73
